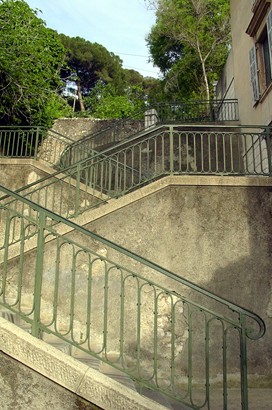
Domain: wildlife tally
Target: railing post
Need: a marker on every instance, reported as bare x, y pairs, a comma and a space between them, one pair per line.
268, 145
243, 361
77, 190
36, 143
171, 149
35, 331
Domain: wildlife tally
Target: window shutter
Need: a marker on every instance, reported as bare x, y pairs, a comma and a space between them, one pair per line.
269, 35
254, 74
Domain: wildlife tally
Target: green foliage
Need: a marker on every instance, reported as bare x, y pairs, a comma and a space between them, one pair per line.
31, 56
103, 102
88, 63
190, 43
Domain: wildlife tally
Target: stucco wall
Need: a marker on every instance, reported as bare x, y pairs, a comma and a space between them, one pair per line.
15, 174
24, 389
218, 237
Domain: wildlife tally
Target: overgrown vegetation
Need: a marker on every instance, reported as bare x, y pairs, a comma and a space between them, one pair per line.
31, 57
190, 42
45, 75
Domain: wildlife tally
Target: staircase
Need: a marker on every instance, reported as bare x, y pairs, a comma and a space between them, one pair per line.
78, 298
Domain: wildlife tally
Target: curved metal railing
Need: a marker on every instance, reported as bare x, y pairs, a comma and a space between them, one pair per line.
158, 113
165, 332
164, 150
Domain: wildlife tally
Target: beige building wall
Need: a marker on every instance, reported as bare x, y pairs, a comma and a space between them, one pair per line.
250, 113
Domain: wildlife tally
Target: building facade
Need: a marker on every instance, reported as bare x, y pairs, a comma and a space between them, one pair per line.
248, 72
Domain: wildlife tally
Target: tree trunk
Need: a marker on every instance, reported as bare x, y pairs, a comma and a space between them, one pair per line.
80, 99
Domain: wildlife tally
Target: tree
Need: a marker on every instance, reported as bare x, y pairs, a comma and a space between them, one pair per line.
103, 102
179, 65
199, 28
31, 57
87, 63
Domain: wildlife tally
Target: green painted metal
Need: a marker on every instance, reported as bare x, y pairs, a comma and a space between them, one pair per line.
80, 295
33, 143
161, 151
216, 111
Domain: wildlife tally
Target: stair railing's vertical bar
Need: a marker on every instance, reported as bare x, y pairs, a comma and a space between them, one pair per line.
216, 152
253, 152
209, 151
231, 153
6, 249
261, 163
57, 280
172, 359
89, 301
163, 151
195, 149
171, 147
187, 153
138, 328
106, 307
13, 144
202, 152
245, 156
125, 170
243, 358
155, 156
190, 355
207, 360
77, 190
122, 316
224, 151
225, 368
36, 143
116, 179
268, 137
38, 274
21, 263
73, 293
16, 146
8, 139
155, 336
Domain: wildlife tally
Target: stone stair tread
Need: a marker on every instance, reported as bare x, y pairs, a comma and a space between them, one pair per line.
15, 319
91, 362
160, 398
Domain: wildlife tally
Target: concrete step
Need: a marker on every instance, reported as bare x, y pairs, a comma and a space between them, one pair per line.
160, 398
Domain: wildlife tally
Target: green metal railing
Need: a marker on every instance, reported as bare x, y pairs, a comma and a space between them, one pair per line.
32, 142
161, 113
122, 309
165, 150
198, 111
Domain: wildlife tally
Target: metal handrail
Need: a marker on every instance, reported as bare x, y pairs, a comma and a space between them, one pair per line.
50, 302
152, 115
164, 150
32, 142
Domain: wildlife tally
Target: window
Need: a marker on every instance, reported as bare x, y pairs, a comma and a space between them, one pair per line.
266, 60
260, 59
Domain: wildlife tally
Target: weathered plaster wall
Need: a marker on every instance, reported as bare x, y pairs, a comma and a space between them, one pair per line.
18, 173
24, 389
216, 236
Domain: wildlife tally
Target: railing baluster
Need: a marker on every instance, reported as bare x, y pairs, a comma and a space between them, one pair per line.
38, 275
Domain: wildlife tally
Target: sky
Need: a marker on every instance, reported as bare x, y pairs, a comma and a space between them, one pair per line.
119, 25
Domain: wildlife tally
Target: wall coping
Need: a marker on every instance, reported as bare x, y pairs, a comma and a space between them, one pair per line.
69, 373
